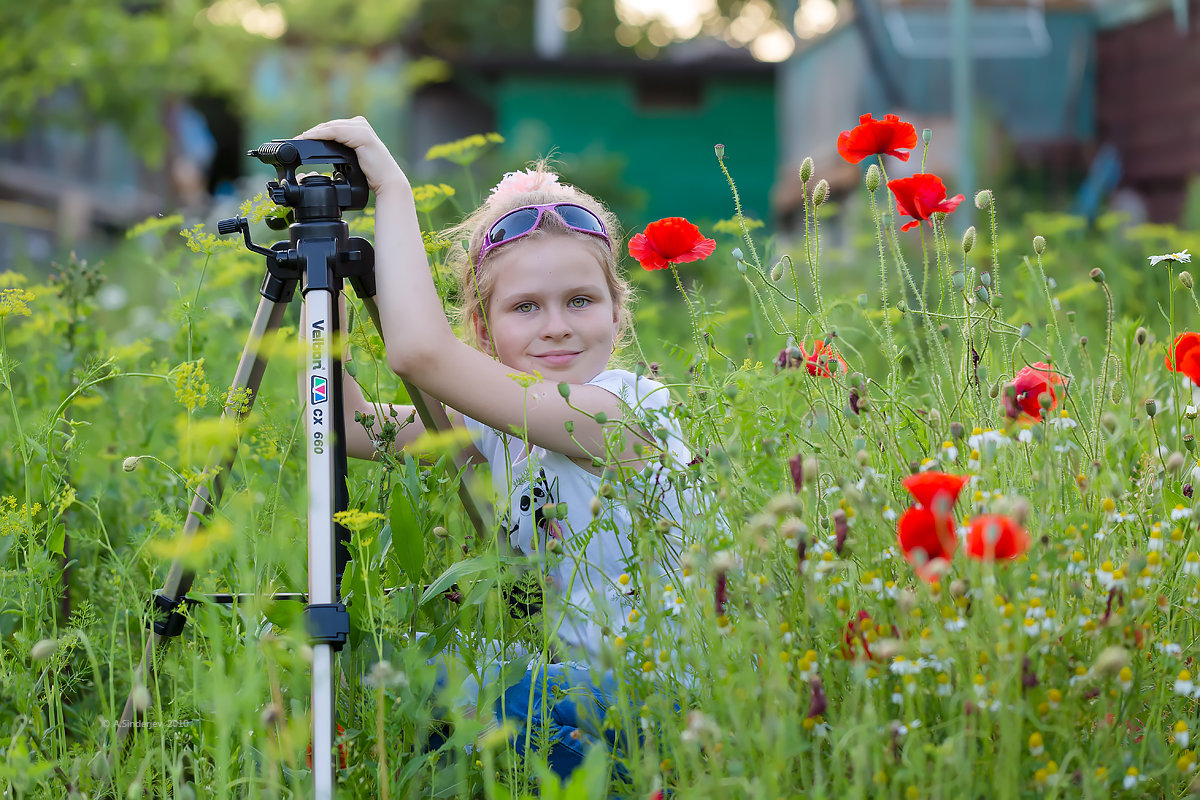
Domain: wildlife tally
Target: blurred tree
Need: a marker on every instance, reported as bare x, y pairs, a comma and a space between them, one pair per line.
76, 62
454, 28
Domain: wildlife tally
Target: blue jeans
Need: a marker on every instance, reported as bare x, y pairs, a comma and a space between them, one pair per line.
562, 705
570, 705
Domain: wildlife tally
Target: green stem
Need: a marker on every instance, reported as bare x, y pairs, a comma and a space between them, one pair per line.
700, 351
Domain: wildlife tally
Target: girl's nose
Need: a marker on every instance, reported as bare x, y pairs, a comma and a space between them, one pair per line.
555, 325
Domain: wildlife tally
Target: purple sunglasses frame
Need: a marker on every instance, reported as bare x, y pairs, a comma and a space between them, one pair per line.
489, 245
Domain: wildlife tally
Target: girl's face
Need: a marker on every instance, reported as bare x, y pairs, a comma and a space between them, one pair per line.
550, 311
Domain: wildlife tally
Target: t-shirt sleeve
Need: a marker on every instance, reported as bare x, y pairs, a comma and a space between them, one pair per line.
486, 440
649, 401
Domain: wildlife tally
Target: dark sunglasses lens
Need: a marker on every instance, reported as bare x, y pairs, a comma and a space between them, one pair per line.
513, 224
581, 218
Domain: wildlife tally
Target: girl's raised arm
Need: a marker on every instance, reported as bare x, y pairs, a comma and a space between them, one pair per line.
422, 346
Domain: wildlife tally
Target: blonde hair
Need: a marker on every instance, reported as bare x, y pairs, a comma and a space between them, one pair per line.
476, 281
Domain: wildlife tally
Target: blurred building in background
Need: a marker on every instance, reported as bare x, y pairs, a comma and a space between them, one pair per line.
1091, 99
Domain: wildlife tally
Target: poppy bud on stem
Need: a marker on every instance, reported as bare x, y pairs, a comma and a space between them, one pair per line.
820, 192
872, 178
968, 239
1039, 244
806, 169
1185, 279
983, 199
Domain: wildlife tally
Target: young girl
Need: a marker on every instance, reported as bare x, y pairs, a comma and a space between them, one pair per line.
546, 305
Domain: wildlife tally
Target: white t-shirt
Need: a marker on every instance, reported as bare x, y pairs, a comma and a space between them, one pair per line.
597, 550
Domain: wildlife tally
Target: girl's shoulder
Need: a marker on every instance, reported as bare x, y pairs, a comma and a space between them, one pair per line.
636, 391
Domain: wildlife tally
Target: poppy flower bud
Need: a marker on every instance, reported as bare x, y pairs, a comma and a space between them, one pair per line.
564, 389
440, 532
994, 391
1097, 275
569, 426
1189, 442
1026, 329
959, 281
956, 430
736, 253
719, 149
968, 240
862, 300
777, 271
1185, 279
741, 267
806, 169
1151, 408
1140, 335
872, 178
902, 307
1083, 340
1108, 421
1039, 244
351, 368
600, 417
983, 199
130, 464
821, 192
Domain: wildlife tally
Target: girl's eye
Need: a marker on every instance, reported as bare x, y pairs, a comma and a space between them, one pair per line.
579, 302
524, 308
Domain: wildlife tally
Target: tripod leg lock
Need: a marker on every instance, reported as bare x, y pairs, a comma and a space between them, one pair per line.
327, 623
166, 619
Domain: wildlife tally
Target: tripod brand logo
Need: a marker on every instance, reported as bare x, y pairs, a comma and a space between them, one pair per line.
320, 389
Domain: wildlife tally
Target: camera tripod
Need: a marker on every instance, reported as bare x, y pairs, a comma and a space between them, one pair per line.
320, 256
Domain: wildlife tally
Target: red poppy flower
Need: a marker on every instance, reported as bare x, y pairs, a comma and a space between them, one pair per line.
341, 751
995, 536
927, 539
920, 196
887, 136
668, 241
817, 362
1030, 384
1187, 356
927, 486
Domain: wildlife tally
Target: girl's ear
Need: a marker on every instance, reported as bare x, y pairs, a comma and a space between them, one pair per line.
481, 334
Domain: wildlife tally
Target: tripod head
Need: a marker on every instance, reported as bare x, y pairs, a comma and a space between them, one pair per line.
314, 206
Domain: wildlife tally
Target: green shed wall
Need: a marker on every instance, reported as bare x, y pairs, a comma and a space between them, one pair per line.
669, 151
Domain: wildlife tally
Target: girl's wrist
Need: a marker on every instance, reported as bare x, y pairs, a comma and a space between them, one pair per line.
394, 184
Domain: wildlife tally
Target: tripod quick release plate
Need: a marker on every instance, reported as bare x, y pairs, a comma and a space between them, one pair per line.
285, 155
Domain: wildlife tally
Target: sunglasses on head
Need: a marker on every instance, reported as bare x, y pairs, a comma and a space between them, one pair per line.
525, 220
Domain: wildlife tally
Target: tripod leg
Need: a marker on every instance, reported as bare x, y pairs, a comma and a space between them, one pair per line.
433, 417
327, 619
240, 399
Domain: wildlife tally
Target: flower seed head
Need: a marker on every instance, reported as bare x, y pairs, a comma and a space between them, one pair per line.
43, 649
927, 135
806, 169
719, 149
1097, 275
1140, 335
821, 192
968, 240
1151, 408
872, 178
1039, 244
983, 199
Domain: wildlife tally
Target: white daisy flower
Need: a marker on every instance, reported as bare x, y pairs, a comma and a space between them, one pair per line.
1181, 257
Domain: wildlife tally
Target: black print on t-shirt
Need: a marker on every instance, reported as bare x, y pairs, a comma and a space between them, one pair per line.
531, 516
